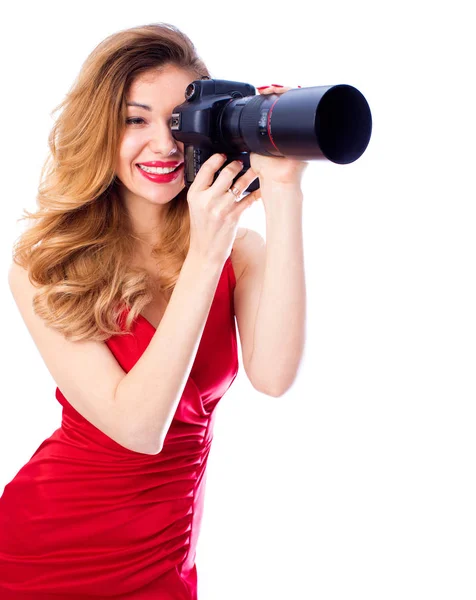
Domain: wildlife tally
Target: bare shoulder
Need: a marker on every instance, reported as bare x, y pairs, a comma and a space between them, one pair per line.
247, 243
94, 396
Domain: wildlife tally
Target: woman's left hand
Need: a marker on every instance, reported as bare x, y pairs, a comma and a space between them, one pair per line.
275, 169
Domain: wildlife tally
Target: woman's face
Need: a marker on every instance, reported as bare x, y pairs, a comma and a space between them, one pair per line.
147, 136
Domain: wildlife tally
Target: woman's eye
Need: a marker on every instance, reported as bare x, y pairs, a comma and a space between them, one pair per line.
137, 120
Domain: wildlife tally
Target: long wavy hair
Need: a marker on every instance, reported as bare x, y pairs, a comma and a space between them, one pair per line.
78, 247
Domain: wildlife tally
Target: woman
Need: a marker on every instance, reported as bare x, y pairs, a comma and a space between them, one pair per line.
126, 284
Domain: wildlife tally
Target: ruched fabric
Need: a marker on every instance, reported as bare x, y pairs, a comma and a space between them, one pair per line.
87, 518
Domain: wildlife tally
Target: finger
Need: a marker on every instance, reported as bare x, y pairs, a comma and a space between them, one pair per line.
253, 196
256, 195
204, 178
224, 181
245, 180
243, 204
271, 89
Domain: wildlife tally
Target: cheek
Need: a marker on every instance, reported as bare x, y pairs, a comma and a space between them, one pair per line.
131, 146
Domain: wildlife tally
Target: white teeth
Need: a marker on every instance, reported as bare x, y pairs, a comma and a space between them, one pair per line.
157, 170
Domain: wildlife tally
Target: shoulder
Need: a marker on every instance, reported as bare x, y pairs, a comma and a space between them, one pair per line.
248, 246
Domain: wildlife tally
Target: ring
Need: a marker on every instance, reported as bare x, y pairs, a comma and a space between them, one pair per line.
235, 191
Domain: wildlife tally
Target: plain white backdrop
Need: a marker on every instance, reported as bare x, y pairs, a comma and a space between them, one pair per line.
360, 481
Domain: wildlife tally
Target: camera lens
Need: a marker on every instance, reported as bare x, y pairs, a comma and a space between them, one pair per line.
324, 122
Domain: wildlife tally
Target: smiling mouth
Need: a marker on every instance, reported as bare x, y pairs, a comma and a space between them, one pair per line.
158, 170
162, 177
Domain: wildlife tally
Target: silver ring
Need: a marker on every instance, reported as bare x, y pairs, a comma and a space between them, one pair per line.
235, 191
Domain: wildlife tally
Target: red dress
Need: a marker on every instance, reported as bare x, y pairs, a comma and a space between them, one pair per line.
87, 518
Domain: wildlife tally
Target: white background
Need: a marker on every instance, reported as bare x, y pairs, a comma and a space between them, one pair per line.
360, 481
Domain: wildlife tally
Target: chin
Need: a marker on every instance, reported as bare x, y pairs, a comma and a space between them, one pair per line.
163, 197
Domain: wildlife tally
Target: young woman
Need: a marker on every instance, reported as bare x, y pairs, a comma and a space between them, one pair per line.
127, 285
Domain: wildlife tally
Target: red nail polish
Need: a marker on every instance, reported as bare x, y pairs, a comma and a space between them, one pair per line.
276, 85
262, 87
299, 86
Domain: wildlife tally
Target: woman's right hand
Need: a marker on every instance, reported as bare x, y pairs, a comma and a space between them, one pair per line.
214, 211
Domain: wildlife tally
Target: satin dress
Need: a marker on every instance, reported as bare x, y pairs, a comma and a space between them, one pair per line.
87, 518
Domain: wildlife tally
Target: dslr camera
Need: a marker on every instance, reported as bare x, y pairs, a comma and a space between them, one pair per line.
218, 116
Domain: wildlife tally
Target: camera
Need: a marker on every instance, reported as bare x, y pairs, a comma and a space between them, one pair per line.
313, 123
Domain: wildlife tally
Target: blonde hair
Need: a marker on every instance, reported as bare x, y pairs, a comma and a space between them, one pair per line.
78, 248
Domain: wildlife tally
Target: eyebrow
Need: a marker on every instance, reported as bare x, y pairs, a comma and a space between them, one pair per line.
139, 105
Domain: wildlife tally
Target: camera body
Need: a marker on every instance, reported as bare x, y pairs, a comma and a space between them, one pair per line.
200, 123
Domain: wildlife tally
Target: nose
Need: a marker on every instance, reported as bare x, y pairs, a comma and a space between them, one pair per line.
163, 142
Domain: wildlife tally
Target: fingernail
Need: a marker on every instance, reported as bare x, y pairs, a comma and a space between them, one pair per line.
276, 85
263, 87
299, 86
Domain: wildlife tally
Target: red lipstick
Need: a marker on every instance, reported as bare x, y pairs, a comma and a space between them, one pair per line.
161, 178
